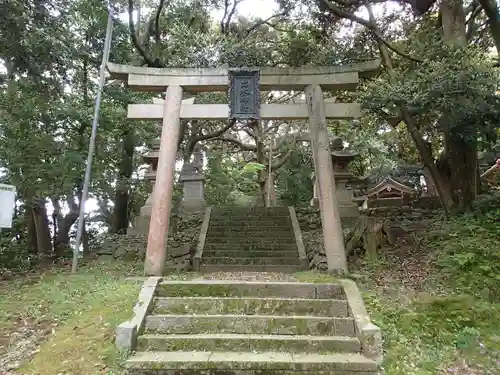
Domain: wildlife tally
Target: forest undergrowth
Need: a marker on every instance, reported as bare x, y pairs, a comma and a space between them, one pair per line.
436, 296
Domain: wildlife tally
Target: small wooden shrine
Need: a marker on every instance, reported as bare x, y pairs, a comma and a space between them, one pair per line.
389, 192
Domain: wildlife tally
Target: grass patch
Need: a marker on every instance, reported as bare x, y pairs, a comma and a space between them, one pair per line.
451, 326
436, 332
82, 311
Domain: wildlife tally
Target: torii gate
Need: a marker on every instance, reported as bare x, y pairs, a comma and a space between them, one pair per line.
176, 81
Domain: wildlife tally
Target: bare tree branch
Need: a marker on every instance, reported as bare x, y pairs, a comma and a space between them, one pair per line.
282, 161
214, 134
157, 21
133, 33
263, 22
369, 25
222, 22
231, 13
241, 145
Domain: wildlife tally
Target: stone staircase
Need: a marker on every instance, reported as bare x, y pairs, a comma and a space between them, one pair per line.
250, 239
221, 327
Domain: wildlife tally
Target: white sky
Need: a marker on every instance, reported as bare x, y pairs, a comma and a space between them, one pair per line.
253, 8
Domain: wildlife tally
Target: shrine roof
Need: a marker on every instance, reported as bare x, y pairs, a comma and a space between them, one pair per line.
389, 182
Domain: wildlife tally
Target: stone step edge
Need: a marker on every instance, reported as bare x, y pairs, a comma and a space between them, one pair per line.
235, 283
347, 341
216, 268
239, 336
309, 290
185, 360
247, 298
253, 316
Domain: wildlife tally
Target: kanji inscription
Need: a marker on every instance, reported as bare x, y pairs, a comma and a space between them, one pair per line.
244, 94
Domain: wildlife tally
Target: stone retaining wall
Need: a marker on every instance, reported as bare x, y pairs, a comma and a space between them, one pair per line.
182, 242
309, 219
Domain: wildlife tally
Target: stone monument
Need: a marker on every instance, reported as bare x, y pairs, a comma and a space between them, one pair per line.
193, 181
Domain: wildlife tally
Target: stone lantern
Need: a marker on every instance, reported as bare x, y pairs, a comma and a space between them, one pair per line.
343, 176
193, 182
345, 198
151, 158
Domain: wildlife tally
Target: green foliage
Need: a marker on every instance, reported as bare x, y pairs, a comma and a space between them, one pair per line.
459, 83
294, 185
469, 254
230, 179
435, 331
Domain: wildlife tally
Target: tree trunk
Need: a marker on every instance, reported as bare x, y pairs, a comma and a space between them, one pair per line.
41, 220
442, 187
491, 9
461, 145
125, 171
31, 238
61, 243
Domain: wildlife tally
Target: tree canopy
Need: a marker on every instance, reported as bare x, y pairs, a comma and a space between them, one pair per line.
434, 103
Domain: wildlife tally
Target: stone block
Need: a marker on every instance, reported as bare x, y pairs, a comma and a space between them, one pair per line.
257, 363
249, 324
228, 288
126, 336
329, 291
126, 333
368, 333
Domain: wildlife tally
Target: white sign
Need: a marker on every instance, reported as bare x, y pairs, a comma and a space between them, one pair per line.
7, 201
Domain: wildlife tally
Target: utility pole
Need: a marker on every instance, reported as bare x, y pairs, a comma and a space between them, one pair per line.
95, 123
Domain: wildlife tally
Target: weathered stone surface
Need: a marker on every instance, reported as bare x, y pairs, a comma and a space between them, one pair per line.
266, 237
249, 343
245, 372
227, 288
235, 327
369, 334
182, 241
329, 291
251, 306
250, 361
231, 252
254, 260
126, 333
249, 324
212, 268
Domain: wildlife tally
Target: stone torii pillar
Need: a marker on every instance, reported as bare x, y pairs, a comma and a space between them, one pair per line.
163, 188
332, 230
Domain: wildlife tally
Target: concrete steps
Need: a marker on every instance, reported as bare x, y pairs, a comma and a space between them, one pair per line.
270, 261
250, 324
222, 327
248, 343
229, 288
213, 268
252, 239
192, 362
251, 306
230, 252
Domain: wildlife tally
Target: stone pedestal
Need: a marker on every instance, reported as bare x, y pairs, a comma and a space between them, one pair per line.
193, 181
345, 196
193, 192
